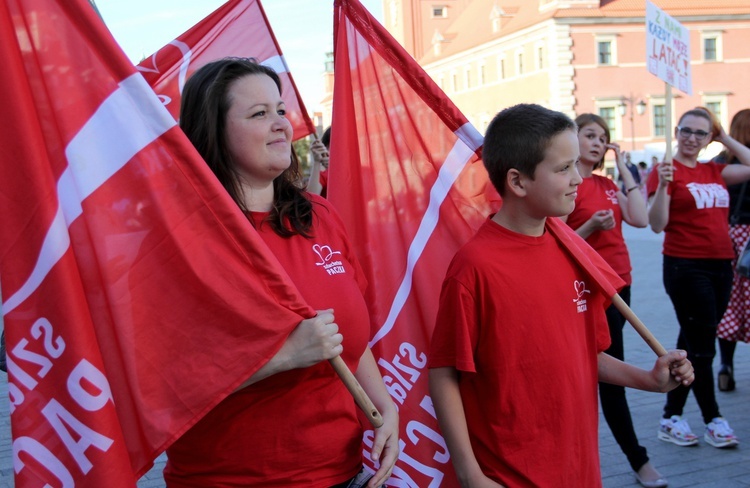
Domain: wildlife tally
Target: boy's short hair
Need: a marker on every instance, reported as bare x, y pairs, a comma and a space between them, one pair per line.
518, 138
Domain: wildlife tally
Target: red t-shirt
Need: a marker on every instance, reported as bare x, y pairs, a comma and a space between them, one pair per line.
324, 183
698, 212
299, 427
522, 323
600, 193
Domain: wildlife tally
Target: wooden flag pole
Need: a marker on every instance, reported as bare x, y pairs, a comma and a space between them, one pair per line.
639, 327
668, 123
360, 397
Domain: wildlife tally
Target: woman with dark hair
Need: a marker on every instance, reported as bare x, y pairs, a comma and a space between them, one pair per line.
293, 423
735, 324
600, 210
690, 203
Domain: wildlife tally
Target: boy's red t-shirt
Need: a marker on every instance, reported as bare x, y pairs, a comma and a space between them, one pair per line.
698, 212
600, 193
299, 427
523, 324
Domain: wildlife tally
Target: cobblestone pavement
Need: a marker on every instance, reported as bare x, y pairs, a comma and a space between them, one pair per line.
702, 466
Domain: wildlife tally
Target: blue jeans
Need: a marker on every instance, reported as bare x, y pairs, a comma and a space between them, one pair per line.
699, 290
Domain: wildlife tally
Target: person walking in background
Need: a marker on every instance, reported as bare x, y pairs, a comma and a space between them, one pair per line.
690, 203
735, 324
598, 215
293, 423
643, 171
630, 168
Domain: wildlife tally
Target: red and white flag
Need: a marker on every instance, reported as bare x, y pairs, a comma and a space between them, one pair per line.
237, 28
407, 180
135, 294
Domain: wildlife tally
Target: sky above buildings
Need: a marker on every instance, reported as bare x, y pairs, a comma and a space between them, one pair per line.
303, 28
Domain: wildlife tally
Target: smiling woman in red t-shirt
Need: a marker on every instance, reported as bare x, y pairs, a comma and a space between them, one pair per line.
292, 423
690, 203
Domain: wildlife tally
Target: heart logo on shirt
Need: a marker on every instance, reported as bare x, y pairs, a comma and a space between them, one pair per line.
325, 253
580, 287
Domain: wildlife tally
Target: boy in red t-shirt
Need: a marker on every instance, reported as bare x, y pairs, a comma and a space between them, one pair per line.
517, 349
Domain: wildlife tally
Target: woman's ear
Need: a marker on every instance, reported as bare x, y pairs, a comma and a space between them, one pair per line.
515, 182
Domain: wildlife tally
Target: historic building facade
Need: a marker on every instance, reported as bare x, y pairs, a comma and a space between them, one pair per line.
575, 56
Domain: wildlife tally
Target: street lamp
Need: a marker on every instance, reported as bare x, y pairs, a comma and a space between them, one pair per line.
640, 109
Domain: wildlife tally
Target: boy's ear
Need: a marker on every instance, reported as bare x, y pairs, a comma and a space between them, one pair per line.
515, 182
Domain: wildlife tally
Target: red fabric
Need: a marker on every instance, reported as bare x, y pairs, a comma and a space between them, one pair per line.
591, 261
280, 422
237, 28
599, 193
121, 256
506, 332
393, 132
698, 212
324, 183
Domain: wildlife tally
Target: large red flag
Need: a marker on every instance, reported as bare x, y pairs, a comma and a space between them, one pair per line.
135, 294
407, 180
237, 28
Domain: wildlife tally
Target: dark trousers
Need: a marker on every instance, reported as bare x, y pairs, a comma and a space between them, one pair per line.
614, 403
699, 290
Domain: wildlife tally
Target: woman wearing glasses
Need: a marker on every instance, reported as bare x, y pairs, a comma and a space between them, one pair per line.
689, 202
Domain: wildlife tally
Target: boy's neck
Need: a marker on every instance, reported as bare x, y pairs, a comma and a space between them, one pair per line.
514, 218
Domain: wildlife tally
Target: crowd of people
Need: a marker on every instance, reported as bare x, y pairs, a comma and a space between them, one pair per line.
495, 357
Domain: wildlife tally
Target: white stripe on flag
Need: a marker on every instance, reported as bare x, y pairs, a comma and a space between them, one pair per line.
94, 154
452, 167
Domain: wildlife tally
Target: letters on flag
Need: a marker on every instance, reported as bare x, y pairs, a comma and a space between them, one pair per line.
407, 180
135, 294
237, 28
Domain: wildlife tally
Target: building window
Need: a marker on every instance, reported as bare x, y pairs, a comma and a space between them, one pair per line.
454, 81
519, 63
540, 57
439, 11
606, 49
604, 52
482, 74
717, 104
501, 69
715, 108
660, 120
709, 49
712, 46
608, 114
467, 78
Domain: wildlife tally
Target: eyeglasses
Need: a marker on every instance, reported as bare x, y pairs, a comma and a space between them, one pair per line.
686, 133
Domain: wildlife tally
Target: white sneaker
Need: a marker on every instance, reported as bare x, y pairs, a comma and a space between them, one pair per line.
719, 434
677, 431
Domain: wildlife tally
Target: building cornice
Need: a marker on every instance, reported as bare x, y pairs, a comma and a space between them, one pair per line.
641, 19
